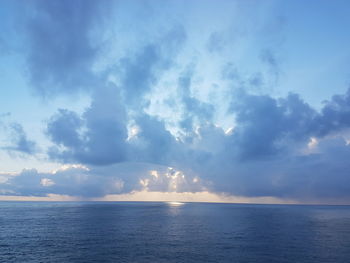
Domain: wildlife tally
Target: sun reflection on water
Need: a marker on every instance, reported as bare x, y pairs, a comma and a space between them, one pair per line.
174, 203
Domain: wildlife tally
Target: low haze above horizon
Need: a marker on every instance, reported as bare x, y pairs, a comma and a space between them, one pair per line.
208, 101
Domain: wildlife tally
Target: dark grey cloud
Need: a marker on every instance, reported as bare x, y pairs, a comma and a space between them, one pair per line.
141, 71
194, 110
264, 125
18, 141
335, 115
60, 50
97, 137
63, 128
305, 177
267, 154
70, 180
78, 180
270, 153
154, 143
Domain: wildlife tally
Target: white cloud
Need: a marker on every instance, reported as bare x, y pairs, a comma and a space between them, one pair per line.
171, 180
47, 182
67, 167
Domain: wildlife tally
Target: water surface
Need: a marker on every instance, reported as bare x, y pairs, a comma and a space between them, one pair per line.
172, 232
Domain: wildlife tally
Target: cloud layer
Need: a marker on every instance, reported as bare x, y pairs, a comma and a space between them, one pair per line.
154, 124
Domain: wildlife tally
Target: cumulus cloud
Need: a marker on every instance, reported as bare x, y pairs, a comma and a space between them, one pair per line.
61, 51
83, 181
141, 71
97, 137
19, 141
195, 112
268, 152
171, 180
264, 125
279, 147
70, 180
335, 115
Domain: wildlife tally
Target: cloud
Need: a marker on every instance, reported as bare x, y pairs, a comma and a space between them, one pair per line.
269, 57
47, 182
19, 141
70, 180
280, 147
97, 137
171, 180
335, 115
61, 51
87, 182
265, 125
154, 143
267, 153
141, 71
63, 128
194, 110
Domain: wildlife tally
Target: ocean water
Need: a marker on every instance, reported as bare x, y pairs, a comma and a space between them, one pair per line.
171, 232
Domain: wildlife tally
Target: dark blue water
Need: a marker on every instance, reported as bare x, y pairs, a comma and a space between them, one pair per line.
160, 232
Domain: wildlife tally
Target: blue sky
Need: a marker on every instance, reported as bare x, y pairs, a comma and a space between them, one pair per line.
195, 100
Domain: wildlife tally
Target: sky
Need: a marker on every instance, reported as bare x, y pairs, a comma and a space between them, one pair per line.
216, 101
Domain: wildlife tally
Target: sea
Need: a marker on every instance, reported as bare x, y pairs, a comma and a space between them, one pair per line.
172, 232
